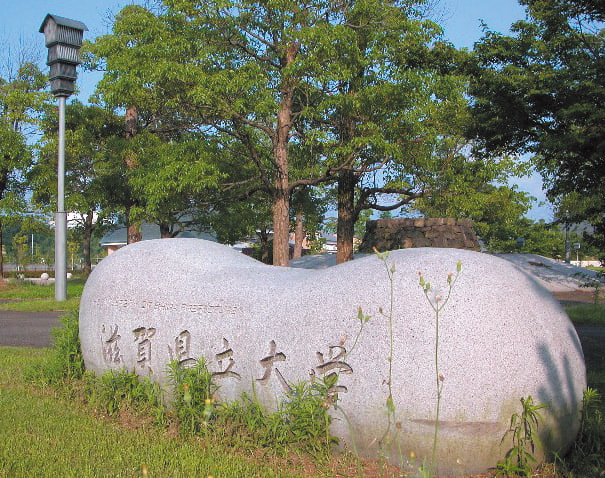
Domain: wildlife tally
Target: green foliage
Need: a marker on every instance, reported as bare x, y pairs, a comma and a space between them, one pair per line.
302, 420
117, 390
21, 100
193, 395
524, 431
586, 457
534, 92
587, 314
94, 175
44, 434
306, 418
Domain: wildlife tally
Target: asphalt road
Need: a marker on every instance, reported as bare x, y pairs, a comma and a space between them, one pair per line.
31, 329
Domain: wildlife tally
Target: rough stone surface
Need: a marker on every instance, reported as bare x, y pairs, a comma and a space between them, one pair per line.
391, 234
502, 337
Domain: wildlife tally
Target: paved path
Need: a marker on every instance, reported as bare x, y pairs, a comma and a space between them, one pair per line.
27, 328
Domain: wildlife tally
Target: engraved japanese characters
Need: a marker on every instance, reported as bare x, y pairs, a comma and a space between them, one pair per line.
262, 329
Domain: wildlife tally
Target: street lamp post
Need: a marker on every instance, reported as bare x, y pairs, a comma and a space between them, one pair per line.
577, 247
63, 38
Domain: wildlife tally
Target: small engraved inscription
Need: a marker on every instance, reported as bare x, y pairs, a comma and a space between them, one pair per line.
220, 357
336, 364
142, 336
151, 305
268, 365
181, 352
110, 345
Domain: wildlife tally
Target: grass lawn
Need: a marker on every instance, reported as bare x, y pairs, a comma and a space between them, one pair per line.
587, 314
43, 433
24, 296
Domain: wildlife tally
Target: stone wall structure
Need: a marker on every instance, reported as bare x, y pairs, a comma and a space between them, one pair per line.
392, 234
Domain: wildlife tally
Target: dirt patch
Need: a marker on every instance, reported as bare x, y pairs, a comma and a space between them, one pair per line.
581, 296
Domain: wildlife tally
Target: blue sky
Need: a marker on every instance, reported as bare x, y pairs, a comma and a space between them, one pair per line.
461, 20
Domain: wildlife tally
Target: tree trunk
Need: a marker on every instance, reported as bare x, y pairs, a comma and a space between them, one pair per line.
281, 138
281, 193
281, 228
165, 232
88, 230
134, 233
131, 120
133, 228
264, 244
345, 230
299, 234
3, 184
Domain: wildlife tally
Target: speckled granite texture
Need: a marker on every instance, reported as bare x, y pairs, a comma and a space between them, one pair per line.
502, 337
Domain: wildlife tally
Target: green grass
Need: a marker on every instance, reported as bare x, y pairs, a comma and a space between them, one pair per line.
44, 434
28, 297
587, 314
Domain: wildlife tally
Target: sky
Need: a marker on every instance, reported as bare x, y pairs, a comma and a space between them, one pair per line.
460, 19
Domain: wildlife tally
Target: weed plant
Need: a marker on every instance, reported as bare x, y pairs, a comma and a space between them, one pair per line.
523, 429
306, 418
193, 395
383, 444
64, 362
301, 420
587, 455
437, 303
118, 390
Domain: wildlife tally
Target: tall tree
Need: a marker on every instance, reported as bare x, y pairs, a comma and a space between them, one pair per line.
167, 161
364, 82
391, 97
21, 100
539, 91
93, 168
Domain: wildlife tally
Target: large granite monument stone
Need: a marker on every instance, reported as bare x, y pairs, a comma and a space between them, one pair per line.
262, 328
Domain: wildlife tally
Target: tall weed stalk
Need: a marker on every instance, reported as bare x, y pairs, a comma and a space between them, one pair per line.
437, 303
